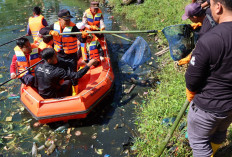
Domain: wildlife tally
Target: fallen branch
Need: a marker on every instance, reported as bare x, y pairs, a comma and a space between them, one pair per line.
162, 51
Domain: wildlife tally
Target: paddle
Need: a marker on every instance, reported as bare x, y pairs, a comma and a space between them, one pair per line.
169, 135
12, 40
22, 72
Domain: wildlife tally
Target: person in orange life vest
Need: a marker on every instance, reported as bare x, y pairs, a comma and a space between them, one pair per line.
92, 50
93, 19
81, 27
46, 43
26, 54
66, 45
35, 23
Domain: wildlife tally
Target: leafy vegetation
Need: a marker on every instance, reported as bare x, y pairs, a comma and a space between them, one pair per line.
152, 14
155, 115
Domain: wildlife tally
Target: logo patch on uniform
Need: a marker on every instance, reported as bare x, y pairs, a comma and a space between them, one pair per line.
192, 61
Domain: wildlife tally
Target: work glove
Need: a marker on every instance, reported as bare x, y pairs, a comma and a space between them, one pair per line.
54, 33
196, 25
94, 28
102, 58
185, 60
13, 75
190, 95
102, 29
84, 34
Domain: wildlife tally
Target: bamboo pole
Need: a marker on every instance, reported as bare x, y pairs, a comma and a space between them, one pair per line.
121, 37
169, 135
112, 32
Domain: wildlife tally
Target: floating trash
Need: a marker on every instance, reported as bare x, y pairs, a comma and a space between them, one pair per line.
3, 91
168, 121
38, 137
34, 150
116, 127
62, 128
8, 119
48, 143
51, 149
145, 93
36, 124
13, 97
78, 133
10, 136
128, 91
69, 131
99, 151
41, 148
94, 136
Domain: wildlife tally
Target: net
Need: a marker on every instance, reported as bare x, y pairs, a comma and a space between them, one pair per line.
137, 54
181, 39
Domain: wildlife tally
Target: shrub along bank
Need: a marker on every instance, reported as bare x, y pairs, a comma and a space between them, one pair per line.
163, 103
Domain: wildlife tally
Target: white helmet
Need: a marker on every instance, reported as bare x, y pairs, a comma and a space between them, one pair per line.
80, 25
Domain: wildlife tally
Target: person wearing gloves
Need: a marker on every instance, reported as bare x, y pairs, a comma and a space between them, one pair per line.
92, 50
66, 45
209, 84
202, 23
93, 19
53, 78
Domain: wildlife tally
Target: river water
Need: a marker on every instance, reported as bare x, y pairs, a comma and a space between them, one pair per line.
110, 128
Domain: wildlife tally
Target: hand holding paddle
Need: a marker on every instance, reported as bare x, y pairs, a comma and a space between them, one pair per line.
13, 77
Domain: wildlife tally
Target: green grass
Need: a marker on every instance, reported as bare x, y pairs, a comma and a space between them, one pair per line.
166, 100
152, 14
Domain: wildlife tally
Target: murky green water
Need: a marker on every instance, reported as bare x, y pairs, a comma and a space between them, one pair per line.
108, 130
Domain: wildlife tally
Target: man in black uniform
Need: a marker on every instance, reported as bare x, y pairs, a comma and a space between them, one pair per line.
48, 76
209, 84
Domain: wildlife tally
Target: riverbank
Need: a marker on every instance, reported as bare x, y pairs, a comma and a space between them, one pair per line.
165, 101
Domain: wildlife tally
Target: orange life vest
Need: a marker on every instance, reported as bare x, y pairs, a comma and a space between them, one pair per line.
44, 45
94, 19
65, 42
37, 40
23, 62
35, 24
93, 51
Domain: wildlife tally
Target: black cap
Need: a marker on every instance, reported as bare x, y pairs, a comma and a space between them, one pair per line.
64, 14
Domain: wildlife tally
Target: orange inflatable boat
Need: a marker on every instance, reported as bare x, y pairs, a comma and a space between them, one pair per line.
92, 87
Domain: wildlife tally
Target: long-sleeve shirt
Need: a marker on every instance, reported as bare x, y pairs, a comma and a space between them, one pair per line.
13, 65
85, 21
48, 77
210, 70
